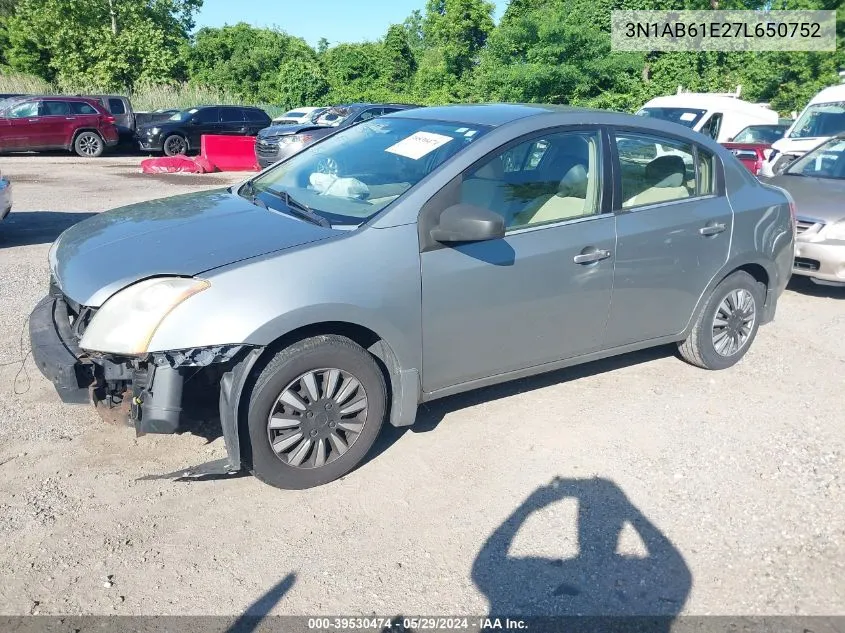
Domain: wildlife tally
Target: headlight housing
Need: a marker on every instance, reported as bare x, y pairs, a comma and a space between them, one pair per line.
153, 131
294, 138
835, 231
125, 324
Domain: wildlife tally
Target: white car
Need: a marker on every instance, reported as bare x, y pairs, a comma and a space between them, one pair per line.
5, 197
823, 118
299, 116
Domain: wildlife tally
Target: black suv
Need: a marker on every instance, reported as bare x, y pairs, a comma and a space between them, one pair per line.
182, 132
280, 141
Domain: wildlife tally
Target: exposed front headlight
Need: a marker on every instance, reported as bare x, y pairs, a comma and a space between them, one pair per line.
835, 231
125, 324
153, 131
294, 138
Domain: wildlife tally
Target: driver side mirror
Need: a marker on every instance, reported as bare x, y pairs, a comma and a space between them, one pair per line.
468, 223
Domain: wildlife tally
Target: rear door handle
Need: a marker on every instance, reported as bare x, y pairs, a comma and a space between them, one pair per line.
591, 257
712, 229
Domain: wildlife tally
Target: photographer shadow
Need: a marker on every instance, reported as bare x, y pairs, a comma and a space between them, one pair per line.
599, 581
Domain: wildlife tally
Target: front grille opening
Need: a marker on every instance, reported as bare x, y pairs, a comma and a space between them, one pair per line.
805, 263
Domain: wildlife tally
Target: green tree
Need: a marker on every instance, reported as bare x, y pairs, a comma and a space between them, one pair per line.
398, 56
460, 29
102, 43
247, 61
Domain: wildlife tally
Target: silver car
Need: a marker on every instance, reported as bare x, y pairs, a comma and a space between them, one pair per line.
452, 248
5, 196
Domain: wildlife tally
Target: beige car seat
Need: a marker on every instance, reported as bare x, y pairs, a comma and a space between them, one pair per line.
665, 181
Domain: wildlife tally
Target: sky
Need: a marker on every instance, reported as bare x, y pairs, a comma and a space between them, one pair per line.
336, 20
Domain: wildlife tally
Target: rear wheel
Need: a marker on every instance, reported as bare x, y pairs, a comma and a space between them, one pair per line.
728, 324
175, 145
314, 412
89, 145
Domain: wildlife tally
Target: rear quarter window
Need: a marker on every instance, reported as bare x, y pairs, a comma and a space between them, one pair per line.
256, 115
116, 106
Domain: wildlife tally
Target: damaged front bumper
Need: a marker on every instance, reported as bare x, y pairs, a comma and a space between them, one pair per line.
155, 384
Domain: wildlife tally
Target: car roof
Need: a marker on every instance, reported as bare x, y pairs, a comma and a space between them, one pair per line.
706, 101
829, 94
489, 114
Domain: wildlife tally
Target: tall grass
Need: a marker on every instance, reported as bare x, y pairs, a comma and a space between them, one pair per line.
144, 98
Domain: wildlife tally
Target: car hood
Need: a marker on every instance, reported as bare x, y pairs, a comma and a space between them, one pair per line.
184, 236
817, 198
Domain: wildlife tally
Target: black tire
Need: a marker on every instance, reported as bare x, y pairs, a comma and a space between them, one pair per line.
89, 145
175, 145
699, 348
312, 354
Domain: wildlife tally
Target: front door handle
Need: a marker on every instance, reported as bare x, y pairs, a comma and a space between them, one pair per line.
591, 257
712, 229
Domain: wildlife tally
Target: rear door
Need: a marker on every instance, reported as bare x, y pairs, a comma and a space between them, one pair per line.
674, 226
57, 123
233, 121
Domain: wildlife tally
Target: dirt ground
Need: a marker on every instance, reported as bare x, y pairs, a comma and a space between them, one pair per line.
634, 485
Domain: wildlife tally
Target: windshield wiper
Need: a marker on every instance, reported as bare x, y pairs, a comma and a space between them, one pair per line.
299, 209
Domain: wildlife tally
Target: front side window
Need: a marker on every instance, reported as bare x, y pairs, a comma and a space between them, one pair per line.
23, 110
711, 128
654, 170
208, 115
55, 108
826, 161
540, 181
685, 116
819, 120
354, 174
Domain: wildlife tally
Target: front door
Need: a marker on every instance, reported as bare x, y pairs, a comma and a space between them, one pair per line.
21, 130
205, 121
540, 294
674, 229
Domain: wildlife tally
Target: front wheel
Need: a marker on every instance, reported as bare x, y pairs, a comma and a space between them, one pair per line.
728, 324
314, 412
89, 145
175, 145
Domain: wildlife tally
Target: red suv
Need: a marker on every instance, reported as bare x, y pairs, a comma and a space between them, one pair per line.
55, 122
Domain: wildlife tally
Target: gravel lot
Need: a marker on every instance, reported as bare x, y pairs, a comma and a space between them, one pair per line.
697, 492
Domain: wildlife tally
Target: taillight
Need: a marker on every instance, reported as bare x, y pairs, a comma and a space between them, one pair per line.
109, 119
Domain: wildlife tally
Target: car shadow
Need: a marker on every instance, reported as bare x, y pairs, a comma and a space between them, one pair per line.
26, 228
805, 286
600, 580
430, 414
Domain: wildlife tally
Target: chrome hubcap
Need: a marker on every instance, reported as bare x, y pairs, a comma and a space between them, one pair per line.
89, 144
317, 418
734, 322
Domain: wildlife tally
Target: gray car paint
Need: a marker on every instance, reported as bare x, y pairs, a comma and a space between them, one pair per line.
816, 198
375, 277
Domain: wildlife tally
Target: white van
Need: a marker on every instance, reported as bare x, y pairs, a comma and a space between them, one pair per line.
718, 116
823, 117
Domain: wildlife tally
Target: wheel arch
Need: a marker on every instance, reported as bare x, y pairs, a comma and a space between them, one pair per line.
403, 385
81, 130
760, 269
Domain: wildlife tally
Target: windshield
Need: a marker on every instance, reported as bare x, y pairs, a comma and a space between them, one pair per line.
184, 115
820, 120
826, 161
767, 134
334, 116
685, 116
354, 174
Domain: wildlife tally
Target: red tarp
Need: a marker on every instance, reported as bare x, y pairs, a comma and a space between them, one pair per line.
219, 153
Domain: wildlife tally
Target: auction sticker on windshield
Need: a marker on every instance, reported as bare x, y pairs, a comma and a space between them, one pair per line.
418, 144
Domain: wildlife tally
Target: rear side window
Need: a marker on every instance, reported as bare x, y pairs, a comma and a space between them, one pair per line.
655, 169
116, 106
256, 115
55, 108
232, 115
80, 107
705, 173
